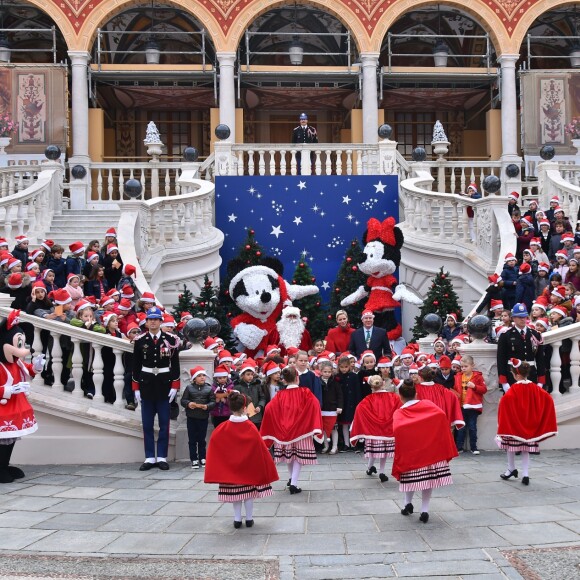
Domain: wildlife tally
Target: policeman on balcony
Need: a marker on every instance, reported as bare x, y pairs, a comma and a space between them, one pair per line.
156, 384
304, 133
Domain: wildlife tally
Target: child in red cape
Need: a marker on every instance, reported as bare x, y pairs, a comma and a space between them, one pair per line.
290, 421
423, 450
239, 461
526, 416
373, 422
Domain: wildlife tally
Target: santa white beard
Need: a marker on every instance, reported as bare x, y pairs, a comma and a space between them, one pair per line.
290, 331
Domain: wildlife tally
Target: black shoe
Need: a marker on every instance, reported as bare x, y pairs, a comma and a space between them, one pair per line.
513, 473
5, 476
15, 472
372, 469
237, 525
424, 517
163, 465
526, 480
294, 489
289, 482
407, 510
383, 477
518, 452
249, 523
147, 466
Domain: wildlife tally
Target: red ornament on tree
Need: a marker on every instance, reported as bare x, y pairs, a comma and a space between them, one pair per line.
229, 314
354, 268
252, 232
442, 276
301, 264
313, 279
293, 281
349, 260
227, 292
337, 289
446, 295
180, 296
258, 253
435, 303
248, 246
317, 304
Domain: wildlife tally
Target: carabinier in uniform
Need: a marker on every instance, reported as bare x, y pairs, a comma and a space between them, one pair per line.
304, 133
155, 383
529, 348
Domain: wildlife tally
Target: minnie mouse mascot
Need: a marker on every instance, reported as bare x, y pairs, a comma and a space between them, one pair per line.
16, 414
382, 256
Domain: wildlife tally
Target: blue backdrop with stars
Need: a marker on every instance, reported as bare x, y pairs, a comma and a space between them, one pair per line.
294, 216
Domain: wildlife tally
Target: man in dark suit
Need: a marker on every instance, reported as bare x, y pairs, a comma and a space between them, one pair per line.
304, 133
155, 384
369, 337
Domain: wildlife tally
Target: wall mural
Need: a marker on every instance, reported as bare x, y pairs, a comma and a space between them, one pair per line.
552, 110
31, 109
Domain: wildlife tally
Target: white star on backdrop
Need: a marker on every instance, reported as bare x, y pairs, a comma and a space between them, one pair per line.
325, 285
276, 231
252, 190
232, 218
297, 220
315, 208
380, 187
349, 217
322, 214
302, 185
305, 252
346, 199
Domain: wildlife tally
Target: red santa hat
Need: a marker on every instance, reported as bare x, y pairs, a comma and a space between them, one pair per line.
384, 363
473, 186
76, 248
514, 362
113, 292
444, 362
496, 304
494, 278
225, 356
558, 210
185, 316
562, 254
112, 248
106, 300
456, 361
536, 242
221, 371
141, 318
248, 365
210, 343
292, 351
82, 304
168, 320
439, 341
544, 223
36, 253
44, 272
14, 281
125, 304
367, 313
543, 267
30, 266
509, 256
132, 326
433, 363
555, 199
451, 315
127, 291
60, 296
13, 262
407, 352
107, 317
148, 297
21, 239
414, 369
71, 276
544, 322
559, 310
3, 242
271, 368
111, 233
514, 195
47, 245
196, 371
5, 258
272, 349
92, 255
500, 330
38, 285
559, 292
240, 357
567, 237
525, 268
366, 353
129, 270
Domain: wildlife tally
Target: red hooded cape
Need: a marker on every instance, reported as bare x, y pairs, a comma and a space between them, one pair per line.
527, 413
236, 455
293, 414
422, 437
445, 399
373, 418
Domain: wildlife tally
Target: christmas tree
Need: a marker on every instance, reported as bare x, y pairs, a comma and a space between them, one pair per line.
251, 253
185, 303
310, 306
441, 299
348, 279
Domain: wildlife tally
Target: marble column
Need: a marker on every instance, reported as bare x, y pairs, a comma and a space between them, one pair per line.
509, 108
370, 106
227, 91
80, 106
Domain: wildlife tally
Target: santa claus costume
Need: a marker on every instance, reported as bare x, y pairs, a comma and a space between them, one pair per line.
290, 422
373, 422
16, 414
239, 461
445, 399
423, 450
526, 416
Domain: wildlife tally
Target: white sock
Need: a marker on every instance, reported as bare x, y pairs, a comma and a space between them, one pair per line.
346, 435
150, 460
371, 462
511, 459
162, 459
425, 499
382, 463
334, 438
249, 504
237, 511
525, 463
409, 497
296, 467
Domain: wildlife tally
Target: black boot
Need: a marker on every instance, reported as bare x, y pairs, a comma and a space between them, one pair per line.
5, 454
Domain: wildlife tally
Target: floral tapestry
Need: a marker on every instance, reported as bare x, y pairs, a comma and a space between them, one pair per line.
31, 111
552, 110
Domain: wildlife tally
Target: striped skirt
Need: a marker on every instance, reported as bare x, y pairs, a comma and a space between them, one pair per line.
428, 477
379, 448
511, 444
301, 451
230, 493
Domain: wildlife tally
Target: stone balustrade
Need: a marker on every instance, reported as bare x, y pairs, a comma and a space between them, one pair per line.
29, 210
561, 180
16, 178
457, 175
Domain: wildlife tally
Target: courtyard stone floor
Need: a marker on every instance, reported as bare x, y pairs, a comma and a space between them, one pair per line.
112, 521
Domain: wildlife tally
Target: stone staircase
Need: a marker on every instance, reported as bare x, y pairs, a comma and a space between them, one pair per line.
82, 225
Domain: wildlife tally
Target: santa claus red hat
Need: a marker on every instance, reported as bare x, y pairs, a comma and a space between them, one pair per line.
271, 368
514, 195
148, 297
76, 248
185, 316
509, 256
111, 233
125, 304
21, 239
272, 349
439, 341
558, 210
473, 186
514, 362
559, 310
292, 351
221, 371
112, 248
30, 266
92, 256
107, 317
536, 242
82, 304
555, 199
14, 281
496, 304
13, 262
71, 276
525, 268
106, 300
567, 237
196, 371
433, 363
168, 320
407, 353
540, 304
44, 272
60, 296
414, 369
240, 357
129, 270
544, 322
210, 343
113, 292
456, 361
5, 257
451, 315
366, 353
36, 254
47, 245
248, 365
543, 267
367, 313
500, 330
225, 356
559, 292
384, 363
132, 326
38, 285
562, 254
127, 291
444, 362
3, 242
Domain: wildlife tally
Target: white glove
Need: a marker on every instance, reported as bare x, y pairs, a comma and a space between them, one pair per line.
338, 411
172, 395
505, 387
21, 388
137, 395
38, 363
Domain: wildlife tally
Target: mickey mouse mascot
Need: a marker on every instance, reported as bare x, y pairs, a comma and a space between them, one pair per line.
382, 256
16, 414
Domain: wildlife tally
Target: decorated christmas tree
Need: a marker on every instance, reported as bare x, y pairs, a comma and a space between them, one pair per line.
441, 299
348, 279
251, 253
185, 303
310, 306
